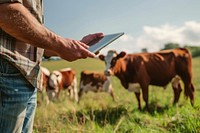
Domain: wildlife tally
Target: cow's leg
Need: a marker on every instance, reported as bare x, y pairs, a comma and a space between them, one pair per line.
58, 90
144, 84
45, 96
186, 76
190, 92
110, 91
189, 89
71, 92
112, 95
80, 93
75, 94
145, 94
42, 94
47, 100
138, 96
177, 91
51, 95
57, 94
176, 85
74, 88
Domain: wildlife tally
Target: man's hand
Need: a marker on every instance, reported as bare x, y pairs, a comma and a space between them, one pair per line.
72, 50
89, 38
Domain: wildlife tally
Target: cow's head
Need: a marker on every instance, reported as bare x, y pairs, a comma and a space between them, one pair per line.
111, 60
55, 80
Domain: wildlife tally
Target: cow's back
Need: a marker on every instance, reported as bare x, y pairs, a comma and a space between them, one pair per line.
92, 77
165, 65
67, 77
160, 67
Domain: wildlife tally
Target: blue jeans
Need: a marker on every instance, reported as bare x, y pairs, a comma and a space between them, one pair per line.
17, 100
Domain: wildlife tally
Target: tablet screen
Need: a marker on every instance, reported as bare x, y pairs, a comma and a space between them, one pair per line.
100, 43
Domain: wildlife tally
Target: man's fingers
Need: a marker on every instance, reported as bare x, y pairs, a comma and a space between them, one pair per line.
85, 52
84, 45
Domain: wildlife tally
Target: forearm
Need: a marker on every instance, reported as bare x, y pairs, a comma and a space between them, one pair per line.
17, 21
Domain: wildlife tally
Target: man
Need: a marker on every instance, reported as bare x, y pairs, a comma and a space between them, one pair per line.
23, 39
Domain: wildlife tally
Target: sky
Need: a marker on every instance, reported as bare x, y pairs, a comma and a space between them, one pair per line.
147, 24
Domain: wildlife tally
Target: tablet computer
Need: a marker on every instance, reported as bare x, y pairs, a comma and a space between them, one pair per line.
99, 43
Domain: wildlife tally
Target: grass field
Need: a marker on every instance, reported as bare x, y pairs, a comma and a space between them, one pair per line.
97, 113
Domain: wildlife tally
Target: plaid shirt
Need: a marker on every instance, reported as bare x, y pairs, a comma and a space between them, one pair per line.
23, 56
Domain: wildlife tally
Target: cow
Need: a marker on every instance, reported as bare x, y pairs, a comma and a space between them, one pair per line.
44, 79
138, 71
95, 82
63, 79
44, 83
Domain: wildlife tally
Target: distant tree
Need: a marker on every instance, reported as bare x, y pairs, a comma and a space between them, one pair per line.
144, 50
171, 46
195, 50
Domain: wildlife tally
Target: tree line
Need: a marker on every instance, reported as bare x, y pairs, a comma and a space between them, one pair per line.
195, 50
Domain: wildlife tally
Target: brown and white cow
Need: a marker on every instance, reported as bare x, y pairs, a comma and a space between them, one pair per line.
44, 84
95, 82
63, 79
158, 68
44, 79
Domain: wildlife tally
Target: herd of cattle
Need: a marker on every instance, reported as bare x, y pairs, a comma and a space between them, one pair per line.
135, 71
65, 79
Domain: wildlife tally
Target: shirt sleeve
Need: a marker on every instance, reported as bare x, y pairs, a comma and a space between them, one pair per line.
10, 1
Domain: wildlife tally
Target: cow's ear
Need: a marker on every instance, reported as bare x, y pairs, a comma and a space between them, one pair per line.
121, 54
101, 57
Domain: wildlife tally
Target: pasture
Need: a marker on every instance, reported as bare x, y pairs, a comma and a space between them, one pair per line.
97, 113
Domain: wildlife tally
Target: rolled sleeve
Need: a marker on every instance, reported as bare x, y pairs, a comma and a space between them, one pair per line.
9, 1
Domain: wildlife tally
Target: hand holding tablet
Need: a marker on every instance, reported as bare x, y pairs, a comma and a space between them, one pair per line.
99, 43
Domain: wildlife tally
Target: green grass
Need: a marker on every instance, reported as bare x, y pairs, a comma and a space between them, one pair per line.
97, 113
